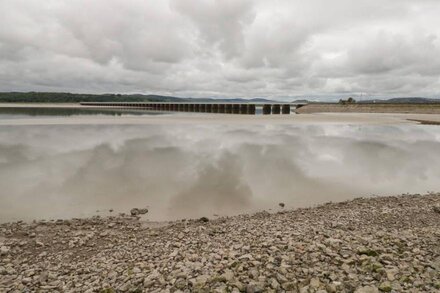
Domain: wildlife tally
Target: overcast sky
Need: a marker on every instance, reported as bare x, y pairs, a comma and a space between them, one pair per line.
223, 48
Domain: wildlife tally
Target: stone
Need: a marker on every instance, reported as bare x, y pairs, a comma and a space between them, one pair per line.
203, 219
383, 244
4, 250
315, 283
367, 289
385, 287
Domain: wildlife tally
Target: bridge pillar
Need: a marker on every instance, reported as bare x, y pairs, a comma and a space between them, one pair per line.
276, 109
243, 109
251, 109
285, 109
267, 109
236, 109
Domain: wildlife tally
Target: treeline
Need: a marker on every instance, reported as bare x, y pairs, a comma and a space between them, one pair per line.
41, 97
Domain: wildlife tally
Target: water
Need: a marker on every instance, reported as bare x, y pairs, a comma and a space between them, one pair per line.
192, 170
38, 112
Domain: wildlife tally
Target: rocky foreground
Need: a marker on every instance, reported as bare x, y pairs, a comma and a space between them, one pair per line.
386, 244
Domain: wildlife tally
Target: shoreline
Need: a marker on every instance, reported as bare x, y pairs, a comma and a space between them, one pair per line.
171, 118
409, 108
362, 245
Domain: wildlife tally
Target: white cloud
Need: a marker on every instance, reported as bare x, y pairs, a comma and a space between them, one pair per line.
222, 48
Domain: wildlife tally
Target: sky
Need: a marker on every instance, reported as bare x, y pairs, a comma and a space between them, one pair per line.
272, 49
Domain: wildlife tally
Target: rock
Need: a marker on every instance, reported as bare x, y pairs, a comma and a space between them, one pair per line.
43, 277
4, 250
383, 244
367, 289
143, 211
281, 204
134, 211
315, 283
203, 220
436, 209
385, 287
254, 288
289, 286
136, 270
254, 274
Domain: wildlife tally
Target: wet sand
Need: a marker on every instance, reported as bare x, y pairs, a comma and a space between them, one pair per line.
195, 118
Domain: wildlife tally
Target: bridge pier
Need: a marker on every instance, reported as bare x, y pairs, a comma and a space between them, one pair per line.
243, 109
267, 109
251, 109
276, 109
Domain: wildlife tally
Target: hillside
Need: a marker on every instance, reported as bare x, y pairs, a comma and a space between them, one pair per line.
41, 97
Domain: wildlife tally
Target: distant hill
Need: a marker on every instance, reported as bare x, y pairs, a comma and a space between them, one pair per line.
41, 97
301, 102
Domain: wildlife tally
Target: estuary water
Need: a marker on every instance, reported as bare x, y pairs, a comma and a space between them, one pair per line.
192, 167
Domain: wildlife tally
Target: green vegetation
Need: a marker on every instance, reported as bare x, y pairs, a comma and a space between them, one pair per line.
350, 100
37, 97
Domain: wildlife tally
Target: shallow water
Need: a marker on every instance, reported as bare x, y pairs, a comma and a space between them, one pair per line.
39, 112
193, 170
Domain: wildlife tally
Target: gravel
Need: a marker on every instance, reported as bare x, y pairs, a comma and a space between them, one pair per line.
380, 244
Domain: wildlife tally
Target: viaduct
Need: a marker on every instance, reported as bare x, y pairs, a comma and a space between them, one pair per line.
226, 108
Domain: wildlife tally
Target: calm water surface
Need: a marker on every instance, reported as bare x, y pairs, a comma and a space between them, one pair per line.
192, 170
39, 112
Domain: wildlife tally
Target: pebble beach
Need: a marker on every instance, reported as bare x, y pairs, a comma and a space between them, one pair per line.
379, 244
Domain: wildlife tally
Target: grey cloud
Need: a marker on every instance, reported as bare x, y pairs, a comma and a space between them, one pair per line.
222, 48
